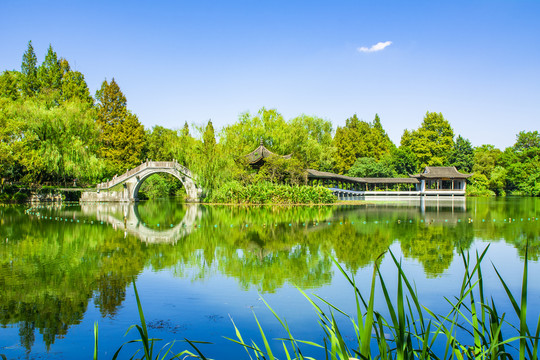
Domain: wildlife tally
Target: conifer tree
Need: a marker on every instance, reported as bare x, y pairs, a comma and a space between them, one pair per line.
64, 66
8, 85
185, 130
209, 140
345, 153
74, 87
462, 155
50, 73
30, 83
122, 135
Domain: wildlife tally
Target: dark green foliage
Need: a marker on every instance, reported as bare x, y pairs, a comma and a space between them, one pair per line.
29, 71
278, 170
369, 167
161, 186
49, 73
20, 197
269, 193
432, 142
74, 86
360, 139
122, 135
404, 161
52, 131
462, 155
8, 85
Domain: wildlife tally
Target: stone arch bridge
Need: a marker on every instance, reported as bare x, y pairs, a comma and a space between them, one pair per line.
125, 187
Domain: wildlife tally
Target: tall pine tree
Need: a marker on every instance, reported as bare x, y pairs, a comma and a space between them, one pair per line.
29, 83
122, 135
50, 73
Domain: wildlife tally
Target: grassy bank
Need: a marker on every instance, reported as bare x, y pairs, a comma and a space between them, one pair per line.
473, 327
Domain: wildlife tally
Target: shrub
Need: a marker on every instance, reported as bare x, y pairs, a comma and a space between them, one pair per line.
269, 193
20, 197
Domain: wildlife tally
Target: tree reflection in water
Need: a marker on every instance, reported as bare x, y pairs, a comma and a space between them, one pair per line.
49, 270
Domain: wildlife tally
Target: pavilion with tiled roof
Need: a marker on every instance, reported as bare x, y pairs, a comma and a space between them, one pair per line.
258, 157
441, 178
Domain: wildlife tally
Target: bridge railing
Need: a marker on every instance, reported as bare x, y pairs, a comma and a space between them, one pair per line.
148, 164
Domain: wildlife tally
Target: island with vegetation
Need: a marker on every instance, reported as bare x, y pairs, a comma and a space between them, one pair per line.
55, 134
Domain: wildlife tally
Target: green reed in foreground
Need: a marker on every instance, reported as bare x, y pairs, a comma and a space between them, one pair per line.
472, 328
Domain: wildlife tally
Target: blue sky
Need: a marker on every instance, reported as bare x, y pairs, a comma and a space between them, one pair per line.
476, 62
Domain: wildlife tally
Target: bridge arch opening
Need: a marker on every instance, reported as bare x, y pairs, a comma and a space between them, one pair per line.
161, 184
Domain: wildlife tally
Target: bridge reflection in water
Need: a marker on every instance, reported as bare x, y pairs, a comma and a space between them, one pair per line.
126, 216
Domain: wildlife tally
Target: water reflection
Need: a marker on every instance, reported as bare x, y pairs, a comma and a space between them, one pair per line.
126, 217
54, 261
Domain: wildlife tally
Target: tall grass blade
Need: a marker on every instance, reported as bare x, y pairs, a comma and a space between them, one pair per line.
523, 329
265, 340
95, 340
142, 329
196, 349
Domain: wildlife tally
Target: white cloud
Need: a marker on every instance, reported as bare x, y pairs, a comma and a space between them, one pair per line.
377, 47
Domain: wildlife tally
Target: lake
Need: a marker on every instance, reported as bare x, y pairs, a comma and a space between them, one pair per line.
197, 267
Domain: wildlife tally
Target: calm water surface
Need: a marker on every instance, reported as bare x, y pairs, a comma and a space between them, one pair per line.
197, 267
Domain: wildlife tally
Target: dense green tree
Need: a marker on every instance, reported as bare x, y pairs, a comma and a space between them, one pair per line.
74, 86
497, 180
360, 139
49, 72
486, 157
278, 170
161, 143
8, 85
345, 154
432, 142
463, 155
64, 66
209, 141
382, 145
29, 71
309, 140
522, 162
185, 130
212, 165
53, 143
122, 135
369, 167
268, 126
527, 141
404, 161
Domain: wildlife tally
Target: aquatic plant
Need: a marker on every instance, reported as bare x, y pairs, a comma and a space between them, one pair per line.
472, 328
270, 193
413, 331
147, 343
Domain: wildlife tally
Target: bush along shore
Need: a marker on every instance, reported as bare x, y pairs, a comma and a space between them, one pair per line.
269, 193
11, 194
410, 331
